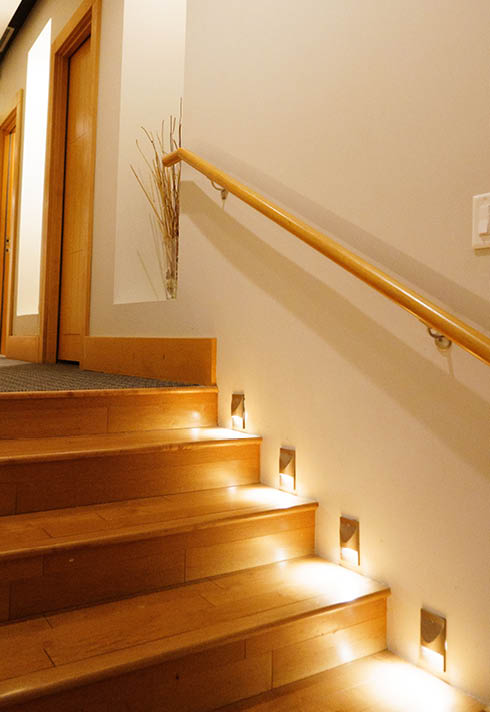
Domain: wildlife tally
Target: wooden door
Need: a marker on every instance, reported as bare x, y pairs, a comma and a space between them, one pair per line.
77, 186
6, 227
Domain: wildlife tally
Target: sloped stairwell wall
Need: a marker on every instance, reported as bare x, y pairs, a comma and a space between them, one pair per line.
371, 121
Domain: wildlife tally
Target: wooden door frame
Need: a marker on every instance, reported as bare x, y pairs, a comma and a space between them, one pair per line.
84, 23
12, 121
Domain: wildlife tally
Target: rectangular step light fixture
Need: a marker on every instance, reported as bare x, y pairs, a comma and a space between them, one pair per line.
238, 411
433, 639
287, 469
350, 549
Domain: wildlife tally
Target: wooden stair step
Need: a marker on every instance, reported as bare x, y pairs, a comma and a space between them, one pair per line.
38, 414
377, 683
72, 557
197, 646
38, 474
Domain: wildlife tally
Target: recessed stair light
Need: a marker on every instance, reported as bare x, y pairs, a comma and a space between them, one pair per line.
350, 549
433, 638
287, 469
238, 411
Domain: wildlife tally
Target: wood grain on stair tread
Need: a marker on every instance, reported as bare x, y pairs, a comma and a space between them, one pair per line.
92, 554
4, 601
14, 396
7, 498
135, 632
311, 656
21, 648
77, 446
110, 627
50, 414
77, 482
224, 557
20, 569
45, 532
203, 685
315, 626
107, 579
53, 473
377, 683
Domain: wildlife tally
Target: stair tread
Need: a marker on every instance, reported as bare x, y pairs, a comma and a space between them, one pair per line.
79, 446
24, 535
64, 650
93, 392
381, 682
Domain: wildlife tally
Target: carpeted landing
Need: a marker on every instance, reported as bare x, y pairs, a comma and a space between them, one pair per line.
16, 376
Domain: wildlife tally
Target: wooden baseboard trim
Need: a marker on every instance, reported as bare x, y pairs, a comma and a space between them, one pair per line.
184, 360
23, 348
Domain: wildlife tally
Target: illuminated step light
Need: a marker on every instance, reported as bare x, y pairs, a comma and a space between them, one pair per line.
287, 469
433, 643
238, 411
350, 550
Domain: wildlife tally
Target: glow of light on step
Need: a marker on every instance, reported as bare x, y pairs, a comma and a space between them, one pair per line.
213, 434
432, 660
286, 482
415, 687
349, 555
338, 583
238, 422
433, 638
264, 495
345, 652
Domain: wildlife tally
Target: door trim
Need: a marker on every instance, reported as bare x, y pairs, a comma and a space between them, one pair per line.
84, 23
11, 121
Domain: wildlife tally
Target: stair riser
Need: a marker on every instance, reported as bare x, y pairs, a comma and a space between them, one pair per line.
207, 680
41, 486
42, 415
82, 576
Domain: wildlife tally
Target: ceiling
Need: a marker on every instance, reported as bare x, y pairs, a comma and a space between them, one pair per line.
12, 14
7, 11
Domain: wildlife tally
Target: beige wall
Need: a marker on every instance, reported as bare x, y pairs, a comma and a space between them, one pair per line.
370, 120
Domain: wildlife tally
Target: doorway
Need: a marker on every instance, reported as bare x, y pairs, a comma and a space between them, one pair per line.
70, 168
6, 230
9, 179
75, 231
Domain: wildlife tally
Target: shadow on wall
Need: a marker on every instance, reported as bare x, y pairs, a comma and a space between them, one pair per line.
454, 414
461, 301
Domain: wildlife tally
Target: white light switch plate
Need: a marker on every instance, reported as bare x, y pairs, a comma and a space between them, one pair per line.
481, 222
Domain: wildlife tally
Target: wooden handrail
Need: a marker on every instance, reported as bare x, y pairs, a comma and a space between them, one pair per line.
429, 313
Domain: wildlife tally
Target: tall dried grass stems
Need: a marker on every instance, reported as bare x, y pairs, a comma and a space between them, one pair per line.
162, 190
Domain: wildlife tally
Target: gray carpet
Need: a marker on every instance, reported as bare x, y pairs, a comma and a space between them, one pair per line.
68, 377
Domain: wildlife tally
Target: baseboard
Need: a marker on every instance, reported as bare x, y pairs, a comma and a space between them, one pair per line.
185, 360
23, 348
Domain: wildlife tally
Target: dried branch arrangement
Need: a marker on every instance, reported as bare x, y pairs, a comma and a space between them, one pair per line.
162, 190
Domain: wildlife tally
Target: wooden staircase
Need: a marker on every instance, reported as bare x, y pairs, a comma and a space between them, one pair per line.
144, 567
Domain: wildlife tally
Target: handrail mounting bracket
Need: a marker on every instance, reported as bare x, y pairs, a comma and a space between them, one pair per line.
441, 341
224, 191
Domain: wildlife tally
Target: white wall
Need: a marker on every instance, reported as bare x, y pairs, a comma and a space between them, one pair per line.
152, 83
33, 166
140, 84
371, 121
